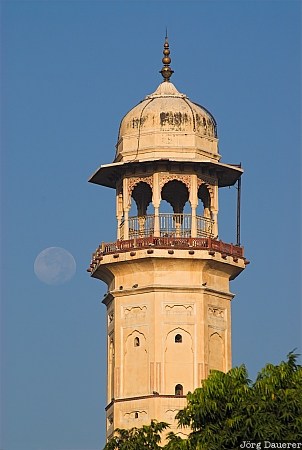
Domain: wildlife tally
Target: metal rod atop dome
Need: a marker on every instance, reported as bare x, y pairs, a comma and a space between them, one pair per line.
166, 71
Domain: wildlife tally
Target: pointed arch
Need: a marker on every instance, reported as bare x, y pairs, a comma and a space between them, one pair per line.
136, 364
174, 372
216, 352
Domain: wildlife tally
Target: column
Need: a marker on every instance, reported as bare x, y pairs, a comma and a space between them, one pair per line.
215, 224
194, 202
156, 203
126, 207
193, 221
156, 222
214, 211
119, 214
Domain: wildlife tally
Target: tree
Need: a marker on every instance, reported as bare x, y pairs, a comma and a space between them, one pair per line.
215, 411
146, 437
276, 410
228, 409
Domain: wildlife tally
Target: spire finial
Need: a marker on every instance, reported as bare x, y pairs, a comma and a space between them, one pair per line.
166, 71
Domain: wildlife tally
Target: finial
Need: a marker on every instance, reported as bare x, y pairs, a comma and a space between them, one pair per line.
166, 71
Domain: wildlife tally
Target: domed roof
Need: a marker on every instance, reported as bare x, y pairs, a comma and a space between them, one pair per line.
166, 118
166, 129
167, 124
168, 110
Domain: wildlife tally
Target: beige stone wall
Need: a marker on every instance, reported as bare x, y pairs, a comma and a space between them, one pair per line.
153, 298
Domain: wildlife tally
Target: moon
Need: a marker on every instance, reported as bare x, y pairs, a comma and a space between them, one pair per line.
54, 266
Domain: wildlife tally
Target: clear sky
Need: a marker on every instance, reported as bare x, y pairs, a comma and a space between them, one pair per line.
70, 71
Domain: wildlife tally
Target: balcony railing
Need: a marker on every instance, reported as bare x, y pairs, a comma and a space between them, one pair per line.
182, 243
170, 225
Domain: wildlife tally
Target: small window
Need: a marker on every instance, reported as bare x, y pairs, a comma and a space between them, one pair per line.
136, 342
136, 415
179, 389
178, 339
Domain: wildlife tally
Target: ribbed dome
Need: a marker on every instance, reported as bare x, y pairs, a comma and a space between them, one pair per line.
166, 119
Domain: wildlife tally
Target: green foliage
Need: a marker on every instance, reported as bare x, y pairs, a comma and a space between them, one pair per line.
147, 437
214, 411
228, 409
278, 400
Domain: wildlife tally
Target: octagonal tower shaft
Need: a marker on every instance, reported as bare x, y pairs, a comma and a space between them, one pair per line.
169, 323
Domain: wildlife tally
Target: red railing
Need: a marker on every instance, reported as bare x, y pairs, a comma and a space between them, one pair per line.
165, 242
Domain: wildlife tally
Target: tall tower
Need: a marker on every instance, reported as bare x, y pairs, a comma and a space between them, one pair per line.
168, 300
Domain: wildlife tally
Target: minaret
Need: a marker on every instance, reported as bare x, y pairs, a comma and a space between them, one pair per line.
168, 273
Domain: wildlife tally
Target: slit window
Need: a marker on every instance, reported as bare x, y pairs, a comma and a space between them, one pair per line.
136, 415
178, 339
136, 342
179, 389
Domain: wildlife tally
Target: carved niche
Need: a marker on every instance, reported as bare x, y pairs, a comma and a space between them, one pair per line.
179, 308
215, 312
135, 312
171, 413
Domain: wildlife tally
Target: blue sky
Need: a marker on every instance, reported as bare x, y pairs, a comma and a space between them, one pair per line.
70, 71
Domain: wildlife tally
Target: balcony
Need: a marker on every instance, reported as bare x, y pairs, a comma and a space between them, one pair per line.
166, 231
151, 242
170, 225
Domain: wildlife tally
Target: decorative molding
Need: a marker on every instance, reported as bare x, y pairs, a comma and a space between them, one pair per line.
135, 311
132, 182
171, 413
209, 183
216, 312
164, 179
142, 397
178, 308
131, 415
217, 329
110, 317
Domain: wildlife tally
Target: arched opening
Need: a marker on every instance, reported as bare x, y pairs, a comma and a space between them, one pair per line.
175, 223
176, 194
179, 390
142, 195
178, 339
136, 415
140, 223
136, 342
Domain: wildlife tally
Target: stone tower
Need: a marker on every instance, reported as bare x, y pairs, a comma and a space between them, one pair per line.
168, 273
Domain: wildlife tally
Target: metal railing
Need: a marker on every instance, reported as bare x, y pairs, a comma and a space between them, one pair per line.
170, 225
175, 225
140, 226
204, 226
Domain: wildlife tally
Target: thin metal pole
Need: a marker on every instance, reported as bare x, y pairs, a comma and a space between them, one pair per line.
238, 209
